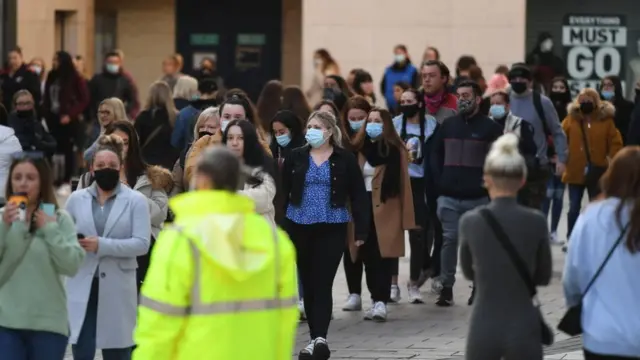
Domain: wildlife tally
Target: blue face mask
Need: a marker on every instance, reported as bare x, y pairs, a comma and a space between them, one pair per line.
374, 130
497, 111
356, 125
315, 137
112, 68
607, 95
283, 140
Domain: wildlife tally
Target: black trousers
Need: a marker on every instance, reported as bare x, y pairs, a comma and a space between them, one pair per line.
591, 356
434, 239
143, 265
377, 269
418, 238
319, 249
65, 136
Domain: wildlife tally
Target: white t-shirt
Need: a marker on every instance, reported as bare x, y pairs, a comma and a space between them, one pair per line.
367, 173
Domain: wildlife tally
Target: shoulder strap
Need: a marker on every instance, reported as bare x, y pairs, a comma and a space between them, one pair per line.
537, 104
517, 261
585, 141
152, 136
606, 260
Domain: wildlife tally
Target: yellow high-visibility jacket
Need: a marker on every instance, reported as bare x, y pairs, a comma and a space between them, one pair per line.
221, 285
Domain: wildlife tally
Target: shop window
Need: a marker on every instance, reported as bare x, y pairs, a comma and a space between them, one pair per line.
105, 35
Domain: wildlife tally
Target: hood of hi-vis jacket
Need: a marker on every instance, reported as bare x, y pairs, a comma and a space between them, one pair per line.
216, 222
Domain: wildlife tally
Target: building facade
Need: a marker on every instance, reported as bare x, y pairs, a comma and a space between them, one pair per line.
254, 41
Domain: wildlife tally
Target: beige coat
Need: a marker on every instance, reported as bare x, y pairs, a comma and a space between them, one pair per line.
392, 217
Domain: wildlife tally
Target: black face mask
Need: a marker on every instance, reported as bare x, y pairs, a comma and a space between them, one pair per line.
518, 87
586, 107
24, 113
107, 179
556, 96
409, 110
204, 133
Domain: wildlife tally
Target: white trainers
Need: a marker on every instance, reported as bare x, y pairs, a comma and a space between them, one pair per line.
379, 312
395, 294
354, 303
553, 238
414, 295
436, 286
321, 349
368, 314
307, 352
303, 314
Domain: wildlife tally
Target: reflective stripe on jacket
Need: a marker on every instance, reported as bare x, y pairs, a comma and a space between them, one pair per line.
221, 276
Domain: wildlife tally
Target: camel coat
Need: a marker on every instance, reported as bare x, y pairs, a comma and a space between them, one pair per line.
392, 217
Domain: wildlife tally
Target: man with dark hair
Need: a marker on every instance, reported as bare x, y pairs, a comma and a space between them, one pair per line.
18, 77
113, 82
458, 152
549, 137
438, 101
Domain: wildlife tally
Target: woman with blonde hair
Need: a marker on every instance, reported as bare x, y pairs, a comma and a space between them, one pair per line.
172, 67
110, 110
496, 240
154, 126
324, 191
207, 125
185, 91
592, 141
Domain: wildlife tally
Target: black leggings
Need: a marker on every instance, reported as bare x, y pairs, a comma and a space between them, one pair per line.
417, 238
319, 249
377, 269
591, 356
65, 136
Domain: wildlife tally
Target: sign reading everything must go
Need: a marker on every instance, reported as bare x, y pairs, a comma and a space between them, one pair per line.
594, 47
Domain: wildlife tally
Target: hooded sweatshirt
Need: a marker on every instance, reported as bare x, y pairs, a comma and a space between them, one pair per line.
9, 144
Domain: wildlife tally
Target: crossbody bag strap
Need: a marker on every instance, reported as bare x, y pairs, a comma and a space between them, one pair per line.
152, 136
606, 260
587, 152
517, 261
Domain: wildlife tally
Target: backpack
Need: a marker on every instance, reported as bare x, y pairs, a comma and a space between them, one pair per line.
537, 104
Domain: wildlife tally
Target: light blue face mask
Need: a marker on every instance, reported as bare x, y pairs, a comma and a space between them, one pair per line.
224, 124
607, 95
356, 125
283, 140
374, 130
112, 68
315, 137
497, 111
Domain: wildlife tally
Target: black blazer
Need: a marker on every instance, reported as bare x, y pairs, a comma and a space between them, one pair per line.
347, 184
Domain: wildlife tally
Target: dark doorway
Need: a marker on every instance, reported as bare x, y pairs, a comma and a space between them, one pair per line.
244, 36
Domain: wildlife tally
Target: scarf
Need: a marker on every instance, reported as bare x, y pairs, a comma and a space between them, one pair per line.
378, 153
433, 102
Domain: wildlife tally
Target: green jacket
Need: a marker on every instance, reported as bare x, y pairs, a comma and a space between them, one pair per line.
34, 298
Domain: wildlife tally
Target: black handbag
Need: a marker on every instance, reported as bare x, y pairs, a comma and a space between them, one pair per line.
571, 322
593, 173
547, 334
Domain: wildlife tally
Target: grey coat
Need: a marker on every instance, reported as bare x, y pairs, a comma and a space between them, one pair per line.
504, 322
126, 235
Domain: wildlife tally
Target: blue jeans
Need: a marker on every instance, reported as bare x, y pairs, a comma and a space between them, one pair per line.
31, 345
554, 199
85, 349
575, 204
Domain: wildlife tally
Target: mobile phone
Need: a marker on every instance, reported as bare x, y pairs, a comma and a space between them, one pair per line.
80, 236
48, 209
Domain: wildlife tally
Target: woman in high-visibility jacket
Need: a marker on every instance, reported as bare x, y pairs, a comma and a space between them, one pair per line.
219, 275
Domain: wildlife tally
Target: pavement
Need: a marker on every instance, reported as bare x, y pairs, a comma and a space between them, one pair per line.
427, 332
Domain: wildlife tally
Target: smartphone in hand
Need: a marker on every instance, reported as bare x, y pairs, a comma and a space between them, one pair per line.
48, 209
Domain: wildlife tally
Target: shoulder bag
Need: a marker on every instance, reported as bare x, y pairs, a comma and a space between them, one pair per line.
546, 335
571, 322
592, 173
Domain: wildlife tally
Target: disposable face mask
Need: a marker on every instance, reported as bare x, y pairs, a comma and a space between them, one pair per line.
497, 111
315, 137
283, 140
546, 45
607, 95
374, 130
36, 69
356, 125
400, 58
224, 124
112, 68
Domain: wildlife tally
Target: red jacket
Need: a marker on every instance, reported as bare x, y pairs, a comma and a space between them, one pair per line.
73, 97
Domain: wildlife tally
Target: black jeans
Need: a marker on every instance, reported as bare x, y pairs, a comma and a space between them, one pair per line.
353, 272
434, 239
143, 264
319, 248
591, 356
417, 238
377, 268
65, 136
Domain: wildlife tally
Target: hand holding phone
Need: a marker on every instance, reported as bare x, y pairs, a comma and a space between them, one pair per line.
48, 209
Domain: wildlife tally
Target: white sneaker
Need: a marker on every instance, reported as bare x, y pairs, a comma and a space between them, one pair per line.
379, 312
553, 238
354, 303
368, 314
395, 294
321, 349
414, 295
436, 286
303, 314
307, 352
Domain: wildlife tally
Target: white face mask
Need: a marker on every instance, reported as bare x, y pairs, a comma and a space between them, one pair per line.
546, 45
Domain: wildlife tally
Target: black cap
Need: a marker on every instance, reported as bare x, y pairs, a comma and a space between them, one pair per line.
521, 70
207, 86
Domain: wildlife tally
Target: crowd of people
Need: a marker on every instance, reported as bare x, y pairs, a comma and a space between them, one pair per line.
221, 190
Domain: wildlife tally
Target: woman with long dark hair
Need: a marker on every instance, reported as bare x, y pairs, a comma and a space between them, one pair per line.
154, 182
383, 159
363, 86
241, 138
65, 98
239, 107
415, 128
269, 102
293, 99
